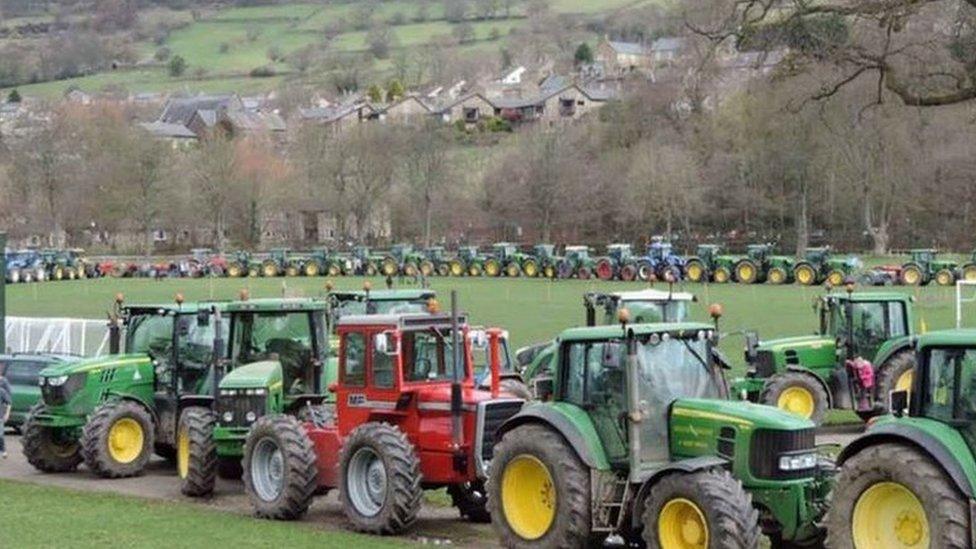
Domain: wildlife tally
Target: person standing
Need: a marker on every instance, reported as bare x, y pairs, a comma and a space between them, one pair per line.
6, 403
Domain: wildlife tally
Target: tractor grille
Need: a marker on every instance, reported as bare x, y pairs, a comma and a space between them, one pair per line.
56, 395
493, 414
767, 447
238, 406
765, 364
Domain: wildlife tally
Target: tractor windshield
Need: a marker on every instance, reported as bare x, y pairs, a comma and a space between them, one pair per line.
427, 356
873, 321
949, 391
153, 334
393, 307
645, 312
148, 333
284, 336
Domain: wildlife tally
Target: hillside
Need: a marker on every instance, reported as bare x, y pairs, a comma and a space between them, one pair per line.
258, 48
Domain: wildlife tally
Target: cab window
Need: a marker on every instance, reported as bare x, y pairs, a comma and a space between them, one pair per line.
950, 384
20, 372
427, 356
354, 365
152, 334
383, 373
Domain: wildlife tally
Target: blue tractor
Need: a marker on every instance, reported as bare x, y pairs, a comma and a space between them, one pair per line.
660, 263
25, 266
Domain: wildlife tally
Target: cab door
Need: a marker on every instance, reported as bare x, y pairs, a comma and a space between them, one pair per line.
351, 391
594, 378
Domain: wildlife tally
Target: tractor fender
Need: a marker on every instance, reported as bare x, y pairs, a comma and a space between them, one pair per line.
148, 407
919, 439
685, 466
890, 349
203, 401
545, 415
806, 372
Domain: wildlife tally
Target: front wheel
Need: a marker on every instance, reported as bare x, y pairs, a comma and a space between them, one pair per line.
493, 268
945, 277
456, 267
894, 496
196, 452
427, 268
512, 270
777, 275
118, 440
695, 271
836, 278
798, 393
379, 484
538, 490
280, 473
911, 275
701, 509
49, 449
805, 275
530, 268
746, 272
722, 275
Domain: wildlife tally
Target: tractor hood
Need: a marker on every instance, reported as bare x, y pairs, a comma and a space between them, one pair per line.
94, 364
798, 342
742, 415
263, 374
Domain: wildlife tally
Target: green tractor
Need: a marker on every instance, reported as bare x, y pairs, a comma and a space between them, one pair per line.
507, 259
637, 444
545, 254
365, 262
819, 266
243, 264
619, 263
435, 262
323, 261
967, 271
535, 362
277, 357
924, 267
861, 352
402, 259
473, 261
759, 264
113, 412
910, 479
701, 266
576, 262
278, 263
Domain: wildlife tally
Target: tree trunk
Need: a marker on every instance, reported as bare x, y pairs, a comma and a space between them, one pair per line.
802, 223
427, 214
879, 233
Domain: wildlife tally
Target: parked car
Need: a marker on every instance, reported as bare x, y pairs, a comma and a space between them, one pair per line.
21, 371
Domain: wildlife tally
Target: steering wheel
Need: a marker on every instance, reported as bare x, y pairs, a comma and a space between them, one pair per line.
422, 367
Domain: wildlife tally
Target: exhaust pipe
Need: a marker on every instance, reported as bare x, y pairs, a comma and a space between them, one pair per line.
460, 463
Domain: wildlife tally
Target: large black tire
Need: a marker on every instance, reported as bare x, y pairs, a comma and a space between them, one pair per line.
746, 272
897, 370
286, 498
695, 271
569, 487
229, 468
722, 275
515, 388
895, 465
108, 460
471, 500
912, 275
196, 462
729, 518
779, 388
388, 447
47, 449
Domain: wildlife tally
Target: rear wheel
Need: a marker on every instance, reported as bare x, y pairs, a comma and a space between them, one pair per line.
945, 277
334, 269
118, 441
805, 275
584, 273
530, 268
746, 272
196, 452
389, 267
474, 269
797, 393
777, 275
896, 374
379, 484
549, 271
443, 270
269, 269
911, 275
628, 273
699, 510
538, 490
513, 270
722, 275
470, 499
894, 496
604, 269
969, 273
493, 267
49, 449
645, 271
456, 267
292, 270
426, 268
695, 271
280, 474
835, 278
312, 269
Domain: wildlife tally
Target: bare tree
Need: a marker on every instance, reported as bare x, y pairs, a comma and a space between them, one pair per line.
426, 156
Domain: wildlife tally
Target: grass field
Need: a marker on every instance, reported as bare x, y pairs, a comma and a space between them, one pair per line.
33, 517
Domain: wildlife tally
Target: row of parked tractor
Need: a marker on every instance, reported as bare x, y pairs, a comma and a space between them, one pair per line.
624, 429
759, 263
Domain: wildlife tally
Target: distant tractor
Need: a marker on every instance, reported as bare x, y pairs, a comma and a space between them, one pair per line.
323, 261
924, 267
861, 352
660, 263
435, 262
402, 259
471, 260
759, 265
576, 262
968, 270
507, 259
548, 260
242, 264
638, 445
407, 417
701, 266
819, 265
365, 262
276, 263
910, 479
113, 412
619, 263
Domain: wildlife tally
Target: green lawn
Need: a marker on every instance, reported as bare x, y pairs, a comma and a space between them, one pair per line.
33, 516
150, 80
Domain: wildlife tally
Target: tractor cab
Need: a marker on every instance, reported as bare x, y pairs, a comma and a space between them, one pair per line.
401, 251
435, 253
707, 252
577, 254
468, 253
645, 306
865, 321
544, 252
759, 252
377, 302
620, 252
504, 251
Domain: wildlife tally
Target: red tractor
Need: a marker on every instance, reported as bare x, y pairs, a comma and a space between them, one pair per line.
407, 417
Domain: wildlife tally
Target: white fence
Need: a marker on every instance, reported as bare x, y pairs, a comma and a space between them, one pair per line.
73, 336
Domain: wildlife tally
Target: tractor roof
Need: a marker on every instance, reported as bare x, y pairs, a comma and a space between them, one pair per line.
275, 305
595, 333
653, 295
403, 321
957, 337
577, 248
871, 296
387, 295
185, 308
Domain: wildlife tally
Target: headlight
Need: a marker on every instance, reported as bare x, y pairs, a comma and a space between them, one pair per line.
57, 381
226, 392
259, 392
250, 417
228, 417
797, 462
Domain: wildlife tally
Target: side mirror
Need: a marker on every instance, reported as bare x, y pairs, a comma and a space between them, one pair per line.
752, 343
543, 388
898, 402
203, 318
385, 343
479, 339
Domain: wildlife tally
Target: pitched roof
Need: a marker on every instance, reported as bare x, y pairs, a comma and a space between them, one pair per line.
254, 121
629, 48
164, 129
333, 113
668, 43
179, 110
450, 103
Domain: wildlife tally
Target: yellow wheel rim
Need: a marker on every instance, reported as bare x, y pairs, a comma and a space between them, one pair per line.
528, 497
746, 273
312, 270
530, 269
491, 269
835, 279
694, 272
911, 276
969, 273
549, 271
682, 525
889, 515
796, 400
125, 440
721, 276
233, 271
270, 270
456, 269
183, 452
292, 271
776, 276
944, 278
905, 380
804, 276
